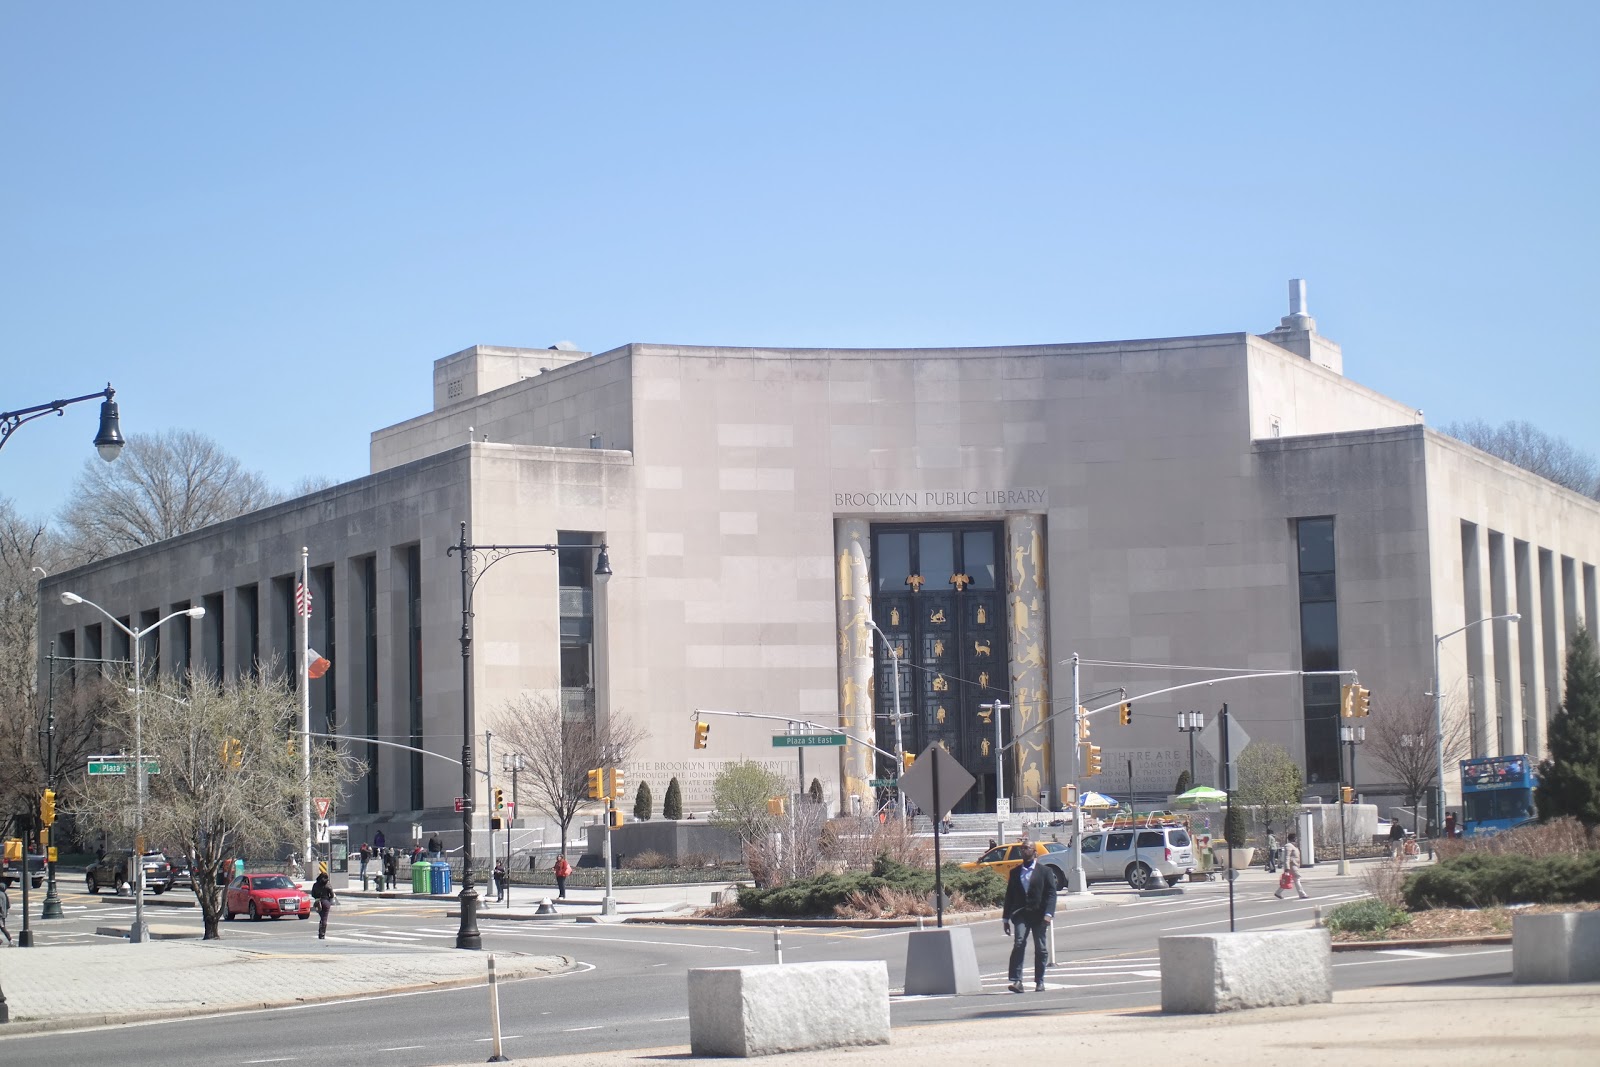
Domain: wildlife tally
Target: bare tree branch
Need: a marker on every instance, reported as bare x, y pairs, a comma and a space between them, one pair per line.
558, 752
1401, 736
1530, 448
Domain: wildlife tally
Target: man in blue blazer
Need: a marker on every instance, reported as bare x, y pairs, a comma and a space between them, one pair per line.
1029, 909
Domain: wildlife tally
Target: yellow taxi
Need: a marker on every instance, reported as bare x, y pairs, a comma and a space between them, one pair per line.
1002, 858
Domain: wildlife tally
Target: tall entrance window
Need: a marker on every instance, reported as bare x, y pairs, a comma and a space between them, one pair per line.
937, 595
1319, 648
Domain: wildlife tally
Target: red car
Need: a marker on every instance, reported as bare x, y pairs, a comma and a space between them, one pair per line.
265, 896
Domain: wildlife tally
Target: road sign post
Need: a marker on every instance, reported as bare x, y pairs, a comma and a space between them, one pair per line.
935, 783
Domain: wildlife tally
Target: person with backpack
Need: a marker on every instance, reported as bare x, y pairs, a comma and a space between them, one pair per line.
5, 911
500, 878
562, 869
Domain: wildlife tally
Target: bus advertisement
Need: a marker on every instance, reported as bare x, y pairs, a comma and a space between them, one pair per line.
1496, 793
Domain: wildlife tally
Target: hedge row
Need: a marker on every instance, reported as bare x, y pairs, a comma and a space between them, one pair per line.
819, 896
1480, 879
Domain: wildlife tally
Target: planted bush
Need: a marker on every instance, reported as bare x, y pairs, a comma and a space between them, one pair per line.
1482, 879
1366, 917
829, 894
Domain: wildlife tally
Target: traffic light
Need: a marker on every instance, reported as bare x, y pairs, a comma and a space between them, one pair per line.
499, 799
774, 805
907, 759
1083, 724
1125, 713
1347, 701
614, 818
702, 730
1091, 761
47, 807
597, 788
233, 752
1363, 702
1347, 794
616, 783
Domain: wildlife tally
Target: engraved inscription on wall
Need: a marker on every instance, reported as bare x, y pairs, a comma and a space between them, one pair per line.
999, 498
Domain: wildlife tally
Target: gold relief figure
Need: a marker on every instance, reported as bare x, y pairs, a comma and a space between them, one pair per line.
1033, 657
944, 744
1019, 612
900, 651
846, 582
1038, 560
939, 714
983, 747
938, 646
983, 615
980, 648
983, 679
915, 582
1017, 575
937, 616
986, 715
939, 684
960, 581
1030, 781
850, 689
894, 616
844, 644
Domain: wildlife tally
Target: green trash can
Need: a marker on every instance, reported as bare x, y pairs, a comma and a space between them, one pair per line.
421, 873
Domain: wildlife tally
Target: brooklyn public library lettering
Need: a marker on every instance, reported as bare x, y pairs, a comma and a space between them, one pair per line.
943, 499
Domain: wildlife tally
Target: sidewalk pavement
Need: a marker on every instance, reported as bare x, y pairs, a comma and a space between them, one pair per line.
1462, 1025
58, 987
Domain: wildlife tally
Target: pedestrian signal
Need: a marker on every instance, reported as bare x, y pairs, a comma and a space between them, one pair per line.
774, 805
1347, 794
1069, 796
597, 787
907, 759
702, 730
614, 818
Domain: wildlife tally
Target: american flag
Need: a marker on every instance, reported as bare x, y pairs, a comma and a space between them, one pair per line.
302, 600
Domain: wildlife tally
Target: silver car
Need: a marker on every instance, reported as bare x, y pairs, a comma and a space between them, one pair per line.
1136, 855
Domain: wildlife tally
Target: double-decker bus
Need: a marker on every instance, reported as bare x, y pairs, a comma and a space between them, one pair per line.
1496, 794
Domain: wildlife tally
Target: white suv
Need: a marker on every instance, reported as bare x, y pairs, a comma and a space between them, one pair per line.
1135, 854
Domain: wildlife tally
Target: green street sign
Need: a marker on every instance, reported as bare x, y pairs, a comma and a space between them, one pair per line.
882, 783
807, 740
120, 766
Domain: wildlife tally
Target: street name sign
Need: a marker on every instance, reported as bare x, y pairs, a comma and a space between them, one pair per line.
807, 740
119, 765
881, 783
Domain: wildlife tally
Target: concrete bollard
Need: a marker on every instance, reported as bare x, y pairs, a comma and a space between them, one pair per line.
1204, 973
757, 1011
1556, 948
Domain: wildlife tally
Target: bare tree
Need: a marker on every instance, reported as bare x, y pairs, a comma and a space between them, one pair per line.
164, 485
230, 781
558, 753
1402, 736
1530, 448
743, 794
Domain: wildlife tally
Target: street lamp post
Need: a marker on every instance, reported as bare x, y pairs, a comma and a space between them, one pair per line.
513, 764
997, 708
467, 935
899, 746
1350, 737
140, 931
1191, 723
108, 441
1438, 702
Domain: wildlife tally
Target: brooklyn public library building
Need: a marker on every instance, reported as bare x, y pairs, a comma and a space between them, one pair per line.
1230, 501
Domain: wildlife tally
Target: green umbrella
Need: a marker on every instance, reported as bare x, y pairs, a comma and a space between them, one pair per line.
1201, 794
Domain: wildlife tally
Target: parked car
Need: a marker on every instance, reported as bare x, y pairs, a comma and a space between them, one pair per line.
112, 871
1053, 855
1134, 855
181, 874
265, 896
11, 866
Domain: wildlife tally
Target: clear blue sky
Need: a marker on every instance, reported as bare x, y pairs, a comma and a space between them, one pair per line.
263, 222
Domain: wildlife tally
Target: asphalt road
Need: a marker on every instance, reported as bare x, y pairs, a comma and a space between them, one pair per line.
629, 990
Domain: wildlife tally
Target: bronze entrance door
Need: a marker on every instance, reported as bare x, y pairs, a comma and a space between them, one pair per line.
939, 594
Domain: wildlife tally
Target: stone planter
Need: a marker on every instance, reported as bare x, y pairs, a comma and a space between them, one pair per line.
1238, 858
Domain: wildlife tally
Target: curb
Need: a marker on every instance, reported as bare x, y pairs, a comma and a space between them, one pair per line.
1424, 942
78, 1022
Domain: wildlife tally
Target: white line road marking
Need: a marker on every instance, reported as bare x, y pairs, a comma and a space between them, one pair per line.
279, 1059
1408, 952
579, 1029
503, 1037
625, 941
672, 1019
400, 1048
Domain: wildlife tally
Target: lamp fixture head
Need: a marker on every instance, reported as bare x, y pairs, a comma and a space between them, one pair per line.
109, 441
70, 599
196, 612
602, 567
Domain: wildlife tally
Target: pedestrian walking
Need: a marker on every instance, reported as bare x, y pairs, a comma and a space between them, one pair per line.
1030, 907
1272, 854
434, 847
5, 911
1397, 838
562, 869
322, 899
366, 857
499, 880
1291, 869
391, 866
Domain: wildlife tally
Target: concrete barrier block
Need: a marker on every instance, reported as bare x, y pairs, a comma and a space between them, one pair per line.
757, 1011
942, 962
1558, 947
1206, 973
